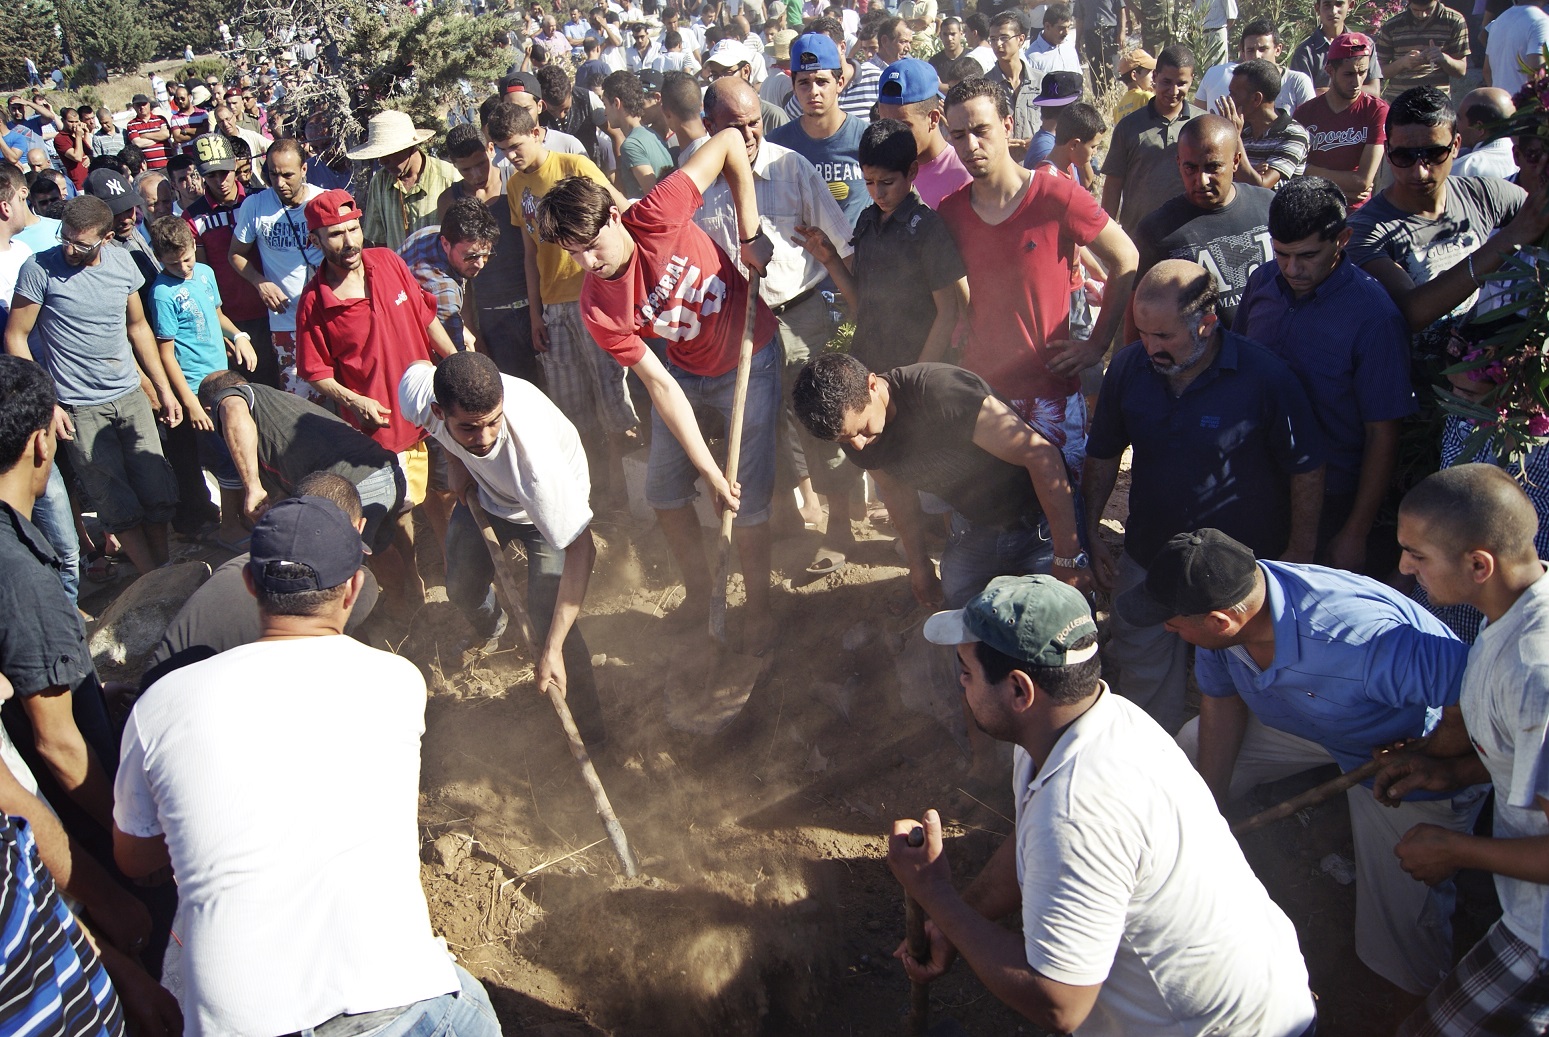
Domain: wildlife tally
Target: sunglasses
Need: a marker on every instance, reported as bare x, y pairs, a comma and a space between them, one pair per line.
1435, 155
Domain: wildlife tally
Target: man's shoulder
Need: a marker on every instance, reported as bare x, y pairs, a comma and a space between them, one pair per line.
1254, 200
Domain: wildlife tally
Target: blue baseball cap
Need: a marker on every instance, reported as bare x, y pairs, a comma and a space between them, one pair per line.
908, 81
304, 544
814, 52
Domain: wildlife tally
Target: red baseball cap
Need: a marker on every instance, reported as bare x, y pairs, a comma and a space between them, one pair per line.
1349, 45
331, 208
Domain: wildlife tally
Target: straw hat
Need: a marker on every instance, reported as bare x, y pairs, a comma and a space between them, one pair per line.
389, 133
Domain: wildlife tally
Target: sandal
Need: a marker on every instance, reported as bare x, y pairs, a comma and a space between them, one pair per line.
101, 569
826, 563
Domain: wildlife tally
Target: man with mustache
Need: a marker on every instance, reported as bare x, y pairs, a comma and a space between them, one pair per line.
1223, 436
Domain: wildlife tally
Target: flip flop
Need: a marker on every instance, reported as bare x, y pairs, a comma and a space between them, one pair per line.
236, 546
826, 563
101, 569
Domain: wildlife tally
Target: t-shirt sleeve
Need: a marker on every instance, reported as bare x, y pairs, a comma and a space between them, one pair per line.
1077, 883
1369, 239
241, 392
1108, 436
952, 396
1379, 131
164, 310
1117, 162
668, 206
943, 262
31, 281
1505, 200
416, 392
633, 152
1084, 217
1291, 159
1384, 44
47, 650
245, 228
1457, 46
313, 359
134, 804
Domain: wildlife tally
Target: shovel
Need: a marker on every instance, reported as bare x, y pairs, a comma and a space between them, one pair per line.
919, 950
518, 613
704, 701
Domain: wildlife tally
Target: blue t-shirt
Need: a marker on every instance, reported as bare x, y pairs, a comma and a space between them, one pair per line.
81, 337
1038, 148
185, 312
40, 236
837, 159
1347, 342
1357, 664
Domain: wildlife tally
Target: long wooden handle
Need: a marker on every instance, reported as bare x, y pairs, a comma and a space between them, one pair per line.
919, 950
739, 405
610, 821
1311, 798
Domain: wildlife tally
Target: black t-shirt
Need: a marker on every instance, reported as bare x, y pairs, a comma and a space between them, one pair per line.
222, 615
1231, 243
297, 438
899, 263
927, 443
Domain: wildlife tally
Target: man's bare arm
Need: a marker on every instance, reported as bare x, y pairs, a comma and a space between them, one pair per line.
70, 759
1306, 507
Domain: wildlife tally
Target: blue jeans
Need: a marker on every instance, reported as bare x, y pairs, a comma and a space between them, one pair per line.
462, 1013
975, 555
469, 576
54, 519
670, 475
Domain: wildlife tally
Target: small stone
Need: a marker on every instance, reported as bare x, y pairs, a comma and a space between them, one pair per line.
873, 925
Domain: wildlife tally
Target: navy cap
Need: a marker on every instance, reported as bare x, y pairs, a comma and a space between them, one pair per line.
1060, 88
304, 544
908, 81
111, 187
814, 52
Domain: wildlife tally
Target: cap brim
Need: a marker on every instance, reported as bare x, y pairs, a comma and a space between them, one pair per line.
1138, 608
948, 628
1057, 102
223, 165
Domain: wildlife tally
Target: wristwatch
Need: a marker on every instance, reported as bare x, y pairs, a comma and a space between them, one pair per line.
1081, 561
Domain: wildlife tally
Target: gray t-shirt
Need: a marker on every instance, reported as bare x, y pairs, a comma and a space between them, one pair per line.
82, 336
1476, 208
1144, 152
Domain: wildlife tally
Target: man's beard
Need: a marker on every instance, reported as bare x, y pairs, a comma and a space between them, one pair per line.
1200, 344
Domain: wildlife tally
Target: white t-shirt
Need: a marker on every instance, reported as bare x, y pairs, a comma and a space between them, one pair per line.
984, 56
289, 258
1505, 702
1520, 32
1131, 878
11, 261
1295, 87
537, 471
285, 777
1043, 59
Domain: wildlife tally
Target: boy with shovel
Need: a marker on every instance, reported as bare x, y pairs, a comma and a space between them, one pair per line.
651, 271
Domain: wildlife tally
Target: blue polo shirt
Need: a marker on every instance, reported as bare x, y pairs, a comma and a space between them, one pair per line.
1357, 665
1220, 455
1347, 342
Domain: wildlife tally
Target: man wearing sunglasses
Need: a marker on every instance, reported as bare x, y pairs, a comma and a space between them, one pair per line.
1429, 238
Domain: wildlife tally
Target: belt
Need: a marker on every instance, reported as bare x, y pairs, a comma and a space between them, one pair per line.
520, 305
343, 1025
797, 300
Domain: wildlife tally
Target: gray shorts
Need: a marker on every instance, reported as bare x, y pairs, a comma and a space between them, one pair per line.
117, 456
583, 380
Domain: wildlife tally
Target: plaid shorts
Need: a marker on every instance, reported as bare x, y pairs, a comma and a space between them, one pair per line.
1500, 987
585, 383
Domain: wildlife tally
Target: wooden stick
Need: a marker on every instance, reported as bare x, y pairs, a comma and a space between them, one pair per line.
919, 950
518, 612
733, 453
1328, 790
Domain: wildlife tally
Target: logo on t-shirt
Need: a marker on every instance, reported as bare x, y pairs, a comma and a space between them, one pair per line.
530, 211
1328, 140
679, 301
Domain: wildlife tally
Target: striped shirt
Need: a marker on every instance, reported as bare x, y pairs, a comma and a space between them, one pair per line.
426, 260
51, 981
196, 119
1283, 147
1403, 32
155, 151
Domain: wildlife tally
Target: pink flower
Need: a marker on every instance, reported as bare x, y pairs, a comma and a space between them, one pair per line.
1538, 424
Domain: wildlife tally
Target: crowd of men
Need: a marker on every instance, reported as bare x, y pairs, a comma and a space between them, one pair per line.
1243, 277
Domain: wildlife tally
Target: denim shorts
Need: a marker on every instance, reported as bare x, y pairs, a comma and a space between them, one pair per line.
670, 475
117, 457
381, 499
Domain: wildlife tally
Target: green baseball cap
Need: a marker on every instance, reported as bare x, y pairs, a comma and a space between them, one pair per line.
1033, 619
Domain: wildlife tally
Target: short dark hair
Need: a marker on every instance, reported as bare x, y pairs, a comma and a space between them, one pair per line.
178, 163
888, 144
133, 158
240, 148
286, 146
26, 405
1009, 17
887, 26
556, 84
827, 389
681, 97
1177, 56
170, 234
470, 382
574, 211
963, 69
1475, 507
215, 382
487, 107
1064, 685
1421, 106
508, 120
297, 603
1079, 121
1263, 76
979, 22
1307, 206
1198, 296
463, 141
334, 487
1258, 27
11, 182
469, 219
830, 27
978, 86
87, 213
1059, 11
625, 88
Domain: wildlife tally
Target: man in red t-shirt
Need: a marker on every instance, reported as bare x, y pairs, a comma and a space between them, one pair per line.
1018, 235
652, 271
73, 144
361, 322
1345, 122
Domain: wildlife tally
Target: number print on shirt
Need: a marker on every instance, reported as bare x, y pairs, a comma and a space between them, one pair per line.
676, 304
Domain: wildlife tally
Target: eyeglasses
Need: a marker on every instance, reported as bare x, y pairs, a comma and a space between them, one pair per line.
1434, 155
1003, 40
75, 247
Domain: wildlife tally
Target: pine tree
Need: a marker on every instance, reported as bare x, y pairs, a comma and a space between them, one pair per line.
29, 33
109, 31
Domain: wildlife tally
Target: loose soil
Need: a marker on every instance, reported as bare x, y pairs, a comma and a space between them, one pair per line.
764, 906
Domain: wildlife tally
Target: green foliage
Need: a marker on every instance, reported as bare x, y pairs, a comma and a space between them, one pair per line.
204, 67
29, 32
419, 63
109, 31
176, 23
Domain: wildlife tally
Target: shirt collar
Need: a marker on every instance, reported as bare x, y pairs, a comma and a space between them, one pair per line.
29, 535
1338, 277
1283, 620
872, 216
1089, 725
332, 304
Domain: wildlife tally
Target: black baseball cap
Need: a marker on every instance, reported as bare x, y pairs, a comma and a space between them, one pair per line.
514, 82
1060, 88
1195, 573
111, 187
139, 99
304, 544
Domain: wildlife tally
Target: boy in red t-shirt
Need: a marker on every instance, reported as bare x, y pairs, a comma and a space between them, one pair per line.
652, 271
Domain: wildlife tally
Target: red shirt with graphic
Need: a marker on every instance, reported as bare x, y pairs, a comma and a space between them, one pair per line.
678, 286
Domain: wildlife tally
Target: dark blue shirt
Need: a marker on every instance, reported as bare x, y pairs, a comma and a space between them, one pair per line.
1347, 342
1220, 455
1357, 664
